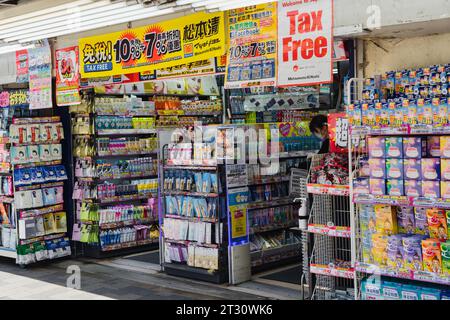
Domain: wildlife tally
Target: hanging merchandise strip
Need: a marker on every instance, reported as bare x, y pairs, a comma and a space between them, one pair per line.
196, 37
40, 74
252, 36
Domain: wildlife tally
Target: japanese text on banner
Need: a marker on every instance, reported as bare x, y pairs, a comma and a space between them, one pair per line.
162, 45
252, 54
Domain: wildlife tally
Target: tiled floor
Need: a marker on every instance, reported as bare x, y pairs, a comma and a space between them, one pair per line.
48, 281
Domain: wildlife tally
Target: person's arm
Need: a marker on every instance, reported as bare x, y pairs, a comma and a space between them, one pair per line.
325, 147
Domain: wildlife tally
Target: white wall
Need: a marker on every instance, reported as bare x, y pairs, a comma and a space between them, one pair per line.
383, 55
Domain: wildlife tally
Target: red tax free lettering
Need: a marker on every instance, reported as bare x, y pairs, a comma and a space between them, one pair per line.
305, 22
308, 47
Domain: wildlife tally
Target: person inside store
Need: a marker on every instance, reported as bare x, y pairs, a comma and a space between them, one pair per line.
319, 127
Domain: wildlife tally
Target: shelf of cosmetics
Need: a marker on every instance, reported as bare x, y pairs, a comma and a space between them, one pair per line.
408, 166
115, 239
86, 147
118, 226
110, 192
115, 169
135, 106
115, 216
112, 124
406, 239
36, 131
424, 82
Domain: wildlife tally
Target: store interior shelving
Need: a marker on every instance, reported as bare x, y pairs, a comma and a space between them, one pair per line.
115, 166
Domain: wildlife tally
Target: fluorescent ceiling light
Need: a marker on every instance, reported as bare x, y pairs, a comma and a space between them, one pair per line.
64, 20
108, 21
82, 19
15, 47
45, 11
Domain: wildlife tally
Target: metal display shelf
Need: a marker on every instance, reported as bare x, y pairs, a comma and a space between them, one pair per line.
424, 276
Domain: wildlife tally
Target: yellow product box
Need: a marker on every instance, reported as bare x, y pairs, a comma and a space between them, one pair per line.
379, 249
386, 219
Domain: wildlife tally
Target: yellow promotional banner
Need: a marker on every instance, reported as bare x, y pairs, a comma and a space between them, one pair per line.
162, 45
252, 52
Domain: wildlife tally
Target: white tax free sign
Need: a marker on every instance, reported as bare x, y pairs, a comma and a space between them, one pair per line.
305, 42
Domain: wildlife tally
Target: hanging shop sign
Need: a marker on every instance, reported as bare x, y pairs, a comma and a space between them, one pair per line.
67, 77
338, 132
40, 74
305, 42
22, 66
252, 53
162, 45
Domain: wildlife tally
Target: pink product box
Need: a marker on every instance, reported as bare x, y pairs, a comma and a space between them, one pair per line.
394, 187
394, 147
431, 169
434, 147
361, 186
412, 169
413, 148
377, 187
394, 168
445, 169
445, 189
377, 168
413, 188
431, 189
377, 147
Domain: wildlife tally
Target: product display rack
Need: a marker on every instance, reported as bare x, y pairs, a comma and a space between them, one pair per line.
38, 223
194, 240
329, 223
392, 271
126, 163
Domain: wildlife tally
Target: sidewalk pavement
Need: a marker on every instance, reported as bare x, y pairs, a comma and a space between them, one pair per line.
48, 281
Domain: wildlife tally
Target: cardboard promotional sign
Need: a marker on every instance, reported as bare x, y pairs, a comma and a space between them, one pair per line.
67, 77
338, 131
169, 43
252, 53
305, 42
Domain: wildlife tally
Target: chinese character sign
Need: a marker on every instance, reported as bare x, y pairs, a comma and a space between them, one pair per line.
187, 39
252, 52
338, 131
305, 42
